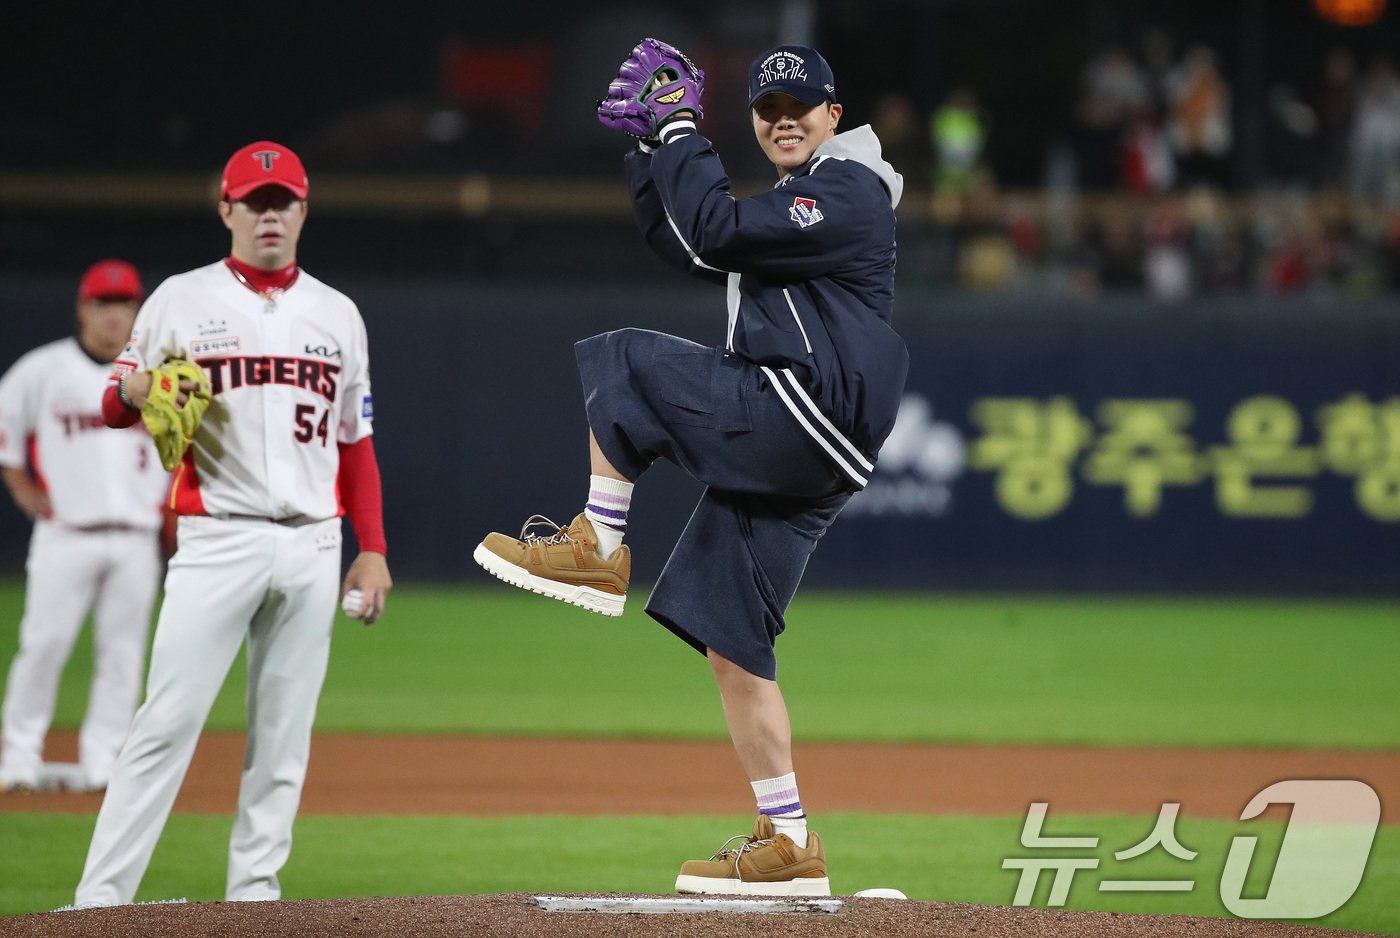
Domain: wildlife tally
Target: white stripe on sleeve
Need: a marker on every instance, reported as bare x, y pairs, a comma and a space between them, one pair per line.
801, 393
813, 432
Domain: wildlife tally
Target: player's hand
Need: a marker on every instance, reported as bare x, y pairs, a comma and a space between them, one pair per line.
137, 385
29, 497
37, 506
370, 575
138, 388
187, 387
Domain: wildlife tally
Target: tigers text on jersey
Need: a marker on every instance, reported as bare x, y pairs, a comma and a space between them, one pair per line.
289, 375
51, 399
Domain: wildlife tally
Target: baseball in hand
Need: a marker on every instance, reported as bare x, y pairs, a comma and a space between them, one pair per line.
354, 603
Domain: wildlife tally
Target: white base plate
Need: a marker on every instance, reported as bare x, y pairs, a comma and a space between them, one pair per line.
663, 905
708, 885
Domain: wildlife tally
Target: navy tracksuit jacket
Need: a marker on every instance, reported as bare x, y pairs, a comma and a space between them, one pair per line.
809, 267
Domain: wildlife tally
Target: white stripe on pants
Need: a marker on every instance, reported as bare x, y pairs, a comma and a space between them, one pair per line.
276, 586
69, 572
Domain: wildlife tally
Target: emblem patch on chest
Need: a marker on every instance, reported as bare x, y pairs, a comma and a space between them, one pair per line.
805, 212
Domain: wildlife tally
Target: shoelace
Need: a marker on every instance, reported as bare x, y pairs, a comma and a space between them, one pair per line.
560, 535
750, 843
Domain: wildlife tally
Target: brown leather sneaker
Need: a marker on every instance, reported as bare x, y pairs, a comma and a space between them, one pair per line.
562, 565
763, 865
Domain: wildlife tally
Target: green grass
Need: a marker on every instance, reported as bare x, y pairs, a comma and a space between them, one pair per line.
954, 859
1063, 670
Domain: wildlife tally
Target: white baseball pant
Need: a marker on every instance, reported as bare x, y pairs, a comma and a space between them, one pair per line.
276, 586
114, 574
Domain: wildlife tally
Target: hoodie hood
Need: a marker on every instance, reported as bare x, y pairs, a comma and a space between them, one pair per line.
863, 146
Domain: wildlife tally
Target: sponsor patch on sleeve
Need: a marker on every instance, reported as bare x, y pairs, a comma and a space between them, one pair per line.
367, 408
805, 212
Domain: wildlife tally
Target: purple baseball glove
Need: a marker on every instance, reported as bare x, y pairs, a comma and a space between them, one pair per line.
655, 83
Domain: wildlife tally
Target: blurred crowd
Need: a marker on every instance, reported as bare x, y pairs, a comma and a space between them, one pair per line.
1173, 246
1155, 123
1034, 157
1147, 192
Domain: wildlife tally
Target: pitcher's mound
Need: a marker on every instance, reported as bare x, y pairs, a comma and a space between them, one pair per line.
521, 914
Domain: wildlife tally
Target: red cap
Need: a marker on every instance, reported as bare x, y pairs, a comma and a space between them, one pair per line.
111, 280
262, 164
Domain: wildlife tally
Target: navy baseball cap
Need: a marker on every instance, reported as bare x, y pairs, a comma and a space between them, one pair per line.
799, 71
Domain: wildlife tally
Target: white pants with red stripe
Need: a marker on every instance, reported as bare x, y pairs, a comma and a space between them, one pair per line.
275, 587
113, 574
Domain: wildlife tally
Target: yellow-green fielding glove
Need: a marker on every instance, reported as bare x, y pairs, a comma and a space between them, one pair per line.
171, 426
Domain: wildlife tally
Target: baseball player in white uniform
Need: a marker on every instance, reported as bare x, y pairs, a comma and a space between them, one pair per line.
94, 495
283, 449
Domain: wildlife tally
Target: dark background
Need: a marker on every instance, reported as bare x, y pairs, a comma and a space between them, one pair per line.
472, 317
162, 86
479, 424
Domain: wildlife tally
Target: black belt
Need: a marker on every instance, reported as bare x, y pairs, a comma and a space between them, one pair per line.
109, 528
292, 521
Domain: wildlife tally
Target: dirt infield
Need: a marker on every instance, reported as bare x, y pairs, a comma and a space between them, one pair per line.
491, 776
443, 916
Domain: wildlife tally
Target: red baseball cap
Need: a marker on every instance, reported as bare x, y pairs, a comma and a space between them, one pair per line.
262, 163
111, 279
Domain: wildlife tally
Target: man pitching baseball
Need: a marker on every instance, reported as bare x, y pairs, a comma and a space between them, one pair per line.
782, 422
94, 495
277, 365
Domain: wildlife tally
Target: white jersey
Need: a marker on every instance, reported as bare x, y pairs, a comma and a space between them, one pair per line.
51, 418
290, 380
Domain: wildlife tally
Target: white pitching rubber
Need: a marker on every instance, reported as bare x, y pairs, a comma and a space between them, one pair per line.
708, 885
686, 905
883, 892
585, 597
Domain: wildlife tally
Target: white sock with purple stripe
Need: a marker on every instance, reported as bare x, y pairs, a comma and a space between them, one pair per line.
777, 798
608, 502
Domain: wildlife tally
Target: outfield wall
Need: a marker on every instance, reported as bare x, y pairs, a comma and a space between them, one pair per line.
1230, 444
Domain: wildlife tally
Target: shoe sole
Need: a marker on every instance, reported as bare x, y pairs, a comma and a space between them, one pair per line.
585, 597
705, 885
